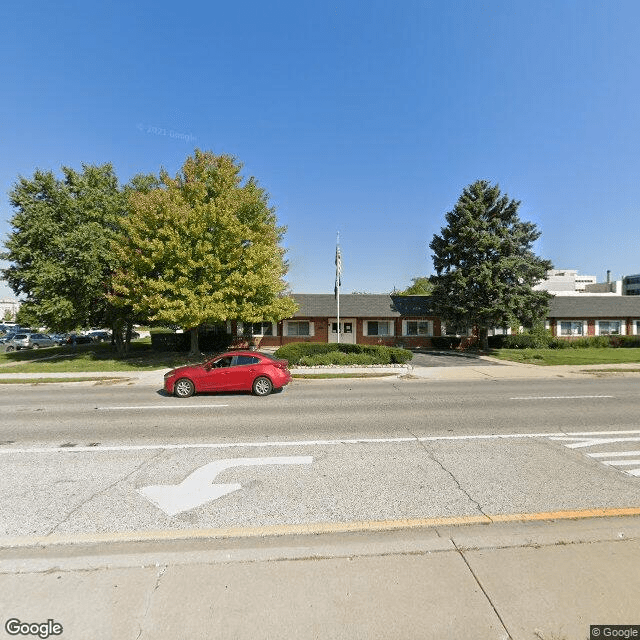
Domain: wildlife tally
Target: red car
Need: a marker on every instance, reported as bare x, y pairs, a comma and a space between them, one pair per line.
233, 371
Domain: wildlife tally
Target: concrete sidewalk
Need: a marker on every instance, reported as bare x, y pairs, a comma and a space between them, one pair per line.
504, 371
521, 581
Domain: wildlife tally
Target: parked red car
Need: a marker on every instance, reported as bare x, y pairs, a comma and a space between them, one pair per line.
232, 371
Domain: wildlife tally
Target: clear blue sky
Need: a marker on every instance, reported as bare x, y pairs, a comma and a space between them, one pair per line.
363, 117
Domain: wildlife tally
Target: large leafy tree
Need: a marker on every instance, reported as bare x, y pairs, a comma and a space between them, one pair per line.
485, 265
420, 286
61, 248
204, 247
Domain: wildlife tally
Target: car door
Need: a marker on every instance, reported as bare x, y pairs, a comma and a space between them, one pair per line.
243, 372
216, 374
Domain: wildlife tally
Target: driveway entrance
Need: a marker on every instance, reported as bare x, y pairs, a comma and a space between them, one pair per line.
428, 358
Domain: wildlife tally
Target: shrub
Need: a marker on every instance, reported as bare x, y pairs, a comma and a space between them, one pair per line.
446, 342
526, 341
331, 353
338, 357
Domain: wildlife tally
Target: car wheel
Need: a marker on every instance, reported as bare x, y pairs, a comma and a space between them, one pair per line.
10, 349
262, 386
184, 388
36, 346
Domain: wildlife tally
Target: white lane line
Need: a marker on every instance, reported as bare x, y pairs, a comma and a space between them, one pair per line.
307, 443
558, 397
166, 406
633, 472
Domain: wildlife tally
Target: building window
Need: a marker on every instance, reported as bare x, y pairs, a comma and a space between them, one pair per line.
609, 327
417, 328
378, 328
571, 328
636, 328
261, 329
298, 328
445, 331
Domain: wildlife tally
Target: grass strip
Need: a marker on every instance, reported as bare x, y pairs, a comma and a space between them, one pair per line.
51, 380
550, 357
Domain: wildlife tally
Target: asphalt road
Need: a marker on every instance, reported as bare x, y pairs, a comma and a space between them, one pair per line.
53, 414
98, 459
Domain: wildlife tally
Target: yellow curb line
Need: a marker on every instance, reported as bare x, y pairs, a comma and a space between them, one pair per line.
307, 529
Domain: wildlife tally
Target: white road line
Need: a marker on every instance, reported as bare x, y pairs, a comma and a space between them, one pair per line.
306, 443
633, 472
558, 397
166, 406
620, 463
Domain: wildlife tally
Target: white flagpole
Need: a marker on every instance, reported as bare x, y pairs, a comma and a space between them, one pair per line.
338, 281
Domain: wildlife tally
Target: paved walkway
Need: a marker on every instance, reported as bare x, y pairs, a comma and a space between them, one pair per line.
479, 368
510, 581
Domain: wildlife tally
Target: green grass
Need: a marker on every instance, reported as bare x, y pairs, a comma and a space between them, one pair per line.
90, 358
547, 357
65, 379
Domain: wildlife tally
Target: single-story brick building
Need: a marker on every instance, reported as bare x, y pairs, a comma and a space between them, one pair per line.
584, 315
409, 321
364, 319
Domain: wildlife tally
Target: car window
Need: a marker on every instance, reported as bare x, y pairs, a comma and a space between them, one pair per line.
244, 360
222, 362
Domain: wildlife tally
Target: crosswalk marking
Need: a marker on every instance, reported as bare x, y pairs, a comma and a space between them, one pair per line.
616, 459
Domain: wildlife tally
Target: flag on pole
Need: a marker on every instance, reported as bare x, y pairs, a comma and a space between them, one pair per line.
338, 270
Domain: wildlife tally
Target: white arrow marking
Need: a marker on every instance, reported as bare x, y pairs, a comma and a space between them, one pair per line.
198, 487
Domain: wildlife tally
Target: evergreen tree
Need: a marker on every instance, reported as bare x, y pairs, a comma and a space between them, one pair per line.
485, 266
204, 247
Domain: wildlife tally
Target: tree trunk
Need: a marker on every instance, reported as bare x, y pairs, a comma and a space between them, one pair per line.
195, 347
121, 336
483, 335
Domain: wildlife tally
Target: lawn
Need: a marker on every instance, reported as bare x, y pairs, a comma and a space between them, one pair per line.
90, 358
569, 356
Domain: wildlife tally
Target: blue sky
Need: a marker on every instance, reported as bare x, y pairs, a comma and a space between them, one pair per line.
367, 118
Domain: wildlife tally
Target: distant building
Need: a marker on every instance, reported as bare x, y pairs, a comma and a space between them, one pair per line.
564, 282
631, 285
568, 282
10, 305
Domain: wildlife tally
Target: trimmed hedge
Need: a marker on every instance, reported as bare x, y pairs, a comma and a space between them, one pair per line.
208, 341
530, 341
446, 342
315, 353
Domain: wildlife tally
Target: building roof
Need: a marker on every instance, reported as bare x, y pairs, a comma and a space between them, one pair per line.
586, 306
366, 305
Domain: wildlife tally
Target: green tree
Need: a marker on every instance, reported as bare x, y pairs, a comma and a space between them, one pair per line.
420, 286
485, 266
8, 316
61, 247
203, 248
